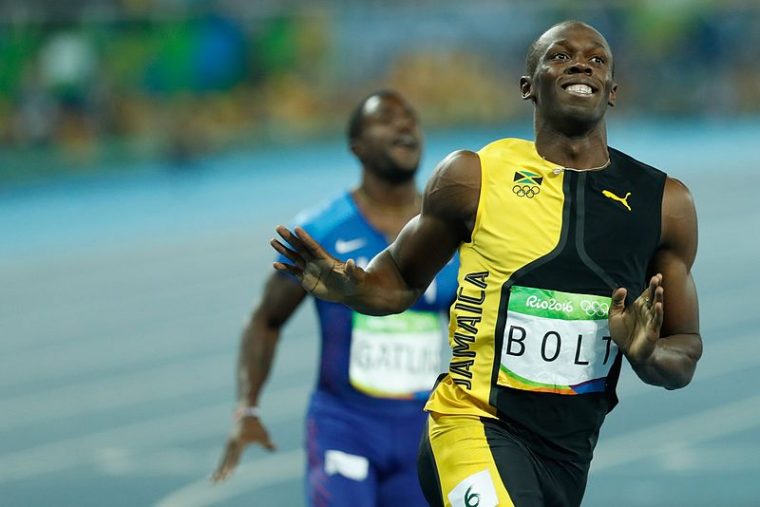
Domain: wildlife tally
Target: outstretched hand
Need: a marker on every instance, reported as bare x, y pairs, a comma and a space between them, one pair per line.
636, 329
246, 431
321, 274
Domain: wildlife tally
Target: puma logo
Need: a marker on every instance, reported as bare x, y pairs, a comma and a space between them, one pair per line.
621, 200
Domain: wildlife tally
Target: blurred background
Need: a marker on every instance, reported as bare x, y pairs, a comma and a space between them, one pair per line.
149, 147
88, 86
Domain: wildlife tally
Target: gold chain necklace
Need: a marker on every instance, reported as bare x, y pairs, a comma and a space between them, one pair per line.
598, 168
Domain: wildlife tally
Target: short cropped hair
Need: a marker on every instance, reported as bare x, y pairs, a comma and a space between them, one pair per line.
356, 120
534, 50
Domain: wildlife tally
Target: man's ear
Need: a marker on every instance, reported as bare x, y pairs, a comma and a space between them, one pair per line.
356, 148
613, 95
526, 87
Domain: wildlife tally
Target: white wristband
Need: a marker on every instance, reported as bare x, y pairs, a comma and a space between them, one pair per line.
242, 412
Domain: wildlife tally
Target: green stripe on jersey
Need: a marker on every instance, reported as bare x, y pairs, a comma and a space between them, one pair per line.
554, 304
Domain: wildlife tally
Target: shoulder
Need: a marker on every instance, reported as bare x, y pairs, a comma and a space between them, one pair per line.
327, 216
677, 200
509, 147
629, 162
678, 213
453, 189
679, 220
458, 166
465, 166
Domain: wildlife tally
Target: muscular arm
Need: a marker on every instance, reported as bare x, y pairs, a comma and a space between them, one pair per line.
674, 358
280, 299
397, 276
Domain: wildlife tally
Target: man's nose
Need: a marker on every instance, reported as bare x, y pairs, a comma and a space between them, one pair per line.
405, 121
579, 67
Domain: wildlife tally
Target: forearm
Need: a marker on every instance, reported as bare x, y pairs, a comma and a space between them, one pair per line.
383, 290
399, 275
673, 361
257, 350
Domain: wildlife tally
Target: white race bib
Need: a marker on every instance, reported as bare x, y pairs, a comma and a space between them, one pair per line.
556, 342
396, 356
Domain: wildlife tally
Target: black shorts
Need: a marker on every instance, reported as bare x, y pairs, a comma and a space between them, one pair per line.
466, 461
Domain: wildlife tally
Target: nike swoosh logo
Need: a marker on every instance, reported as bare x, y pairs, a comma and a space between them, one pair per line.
342, 247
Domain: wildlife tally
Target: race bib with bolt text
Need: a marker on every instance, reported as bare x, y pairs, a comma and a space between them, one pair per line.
556, 342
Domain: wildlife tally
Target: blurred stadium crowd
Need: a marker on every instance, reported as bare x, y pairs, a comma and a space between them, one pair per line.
88, 82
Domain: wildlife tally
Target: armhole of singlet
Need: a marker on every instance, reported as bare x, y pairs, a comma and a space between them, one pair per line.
481, 201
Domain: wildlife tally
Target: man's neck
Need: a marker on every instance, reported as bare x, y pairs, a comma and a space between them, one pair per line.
388, 194
585, 151
387, 206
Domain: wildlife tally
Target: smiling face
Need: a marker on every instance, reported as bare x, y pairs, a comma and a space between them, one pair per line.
570, 76
388, 140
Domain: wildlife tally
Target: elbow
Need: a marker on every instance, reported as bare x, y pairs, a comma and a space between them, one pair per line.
685, 373
679, 381
404, 302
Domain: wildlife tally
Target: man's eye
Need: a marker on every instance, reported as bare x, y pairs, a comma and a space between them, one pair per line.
599, 60
559, 56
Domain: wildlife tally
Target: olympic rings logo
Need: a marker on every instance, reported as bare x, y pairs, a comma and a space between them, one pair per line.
528, 191
595, 308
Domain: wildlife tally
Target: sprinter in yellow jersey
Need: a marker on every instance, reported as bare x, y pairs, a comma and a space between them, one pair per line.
572, 255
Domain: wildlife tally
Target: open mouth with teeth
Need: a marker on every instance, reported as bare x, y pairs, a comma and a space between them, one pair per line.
581, 90
406, 141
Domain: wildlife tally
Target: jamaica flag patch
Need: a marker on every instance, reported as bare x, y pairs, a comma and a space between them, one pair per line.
528, 178
527, 184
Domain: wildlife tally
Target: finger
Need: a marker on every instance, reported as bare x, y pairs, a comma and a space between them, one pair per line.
654, 282
648, 298
220, 475
354, 272
226, 467
659, 312
351, 268
228, 462
287, 268
659, 295
313, 247
294, 256
268, 444
658, 308
618, 301
294, 241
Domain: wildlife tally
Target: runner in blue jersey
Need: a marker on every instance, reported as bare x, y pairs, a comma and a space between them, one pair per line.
366, 414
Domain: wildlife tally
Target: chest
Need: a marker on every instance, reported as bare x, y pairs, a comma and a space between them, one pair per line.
577, 230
